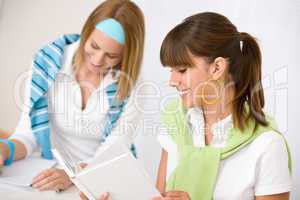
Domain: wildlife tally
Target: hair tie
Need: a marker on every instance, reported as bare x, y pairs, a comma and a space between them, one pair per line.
241, 45
241, 42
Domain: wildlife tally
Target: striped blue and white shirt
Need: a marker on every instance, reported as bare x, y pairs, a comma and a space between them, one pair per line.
78, 130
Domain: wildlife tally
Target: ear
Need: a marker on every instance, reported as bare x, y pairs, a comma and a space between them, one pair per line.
218, 68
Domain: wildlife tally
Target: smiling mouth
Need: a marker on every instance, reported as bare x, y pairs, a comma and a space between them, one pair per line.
98, 66
183, 92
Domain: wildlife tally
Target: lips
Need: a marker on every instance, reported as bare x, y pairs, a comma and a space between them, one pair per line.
98, 66
91, 62
183, 92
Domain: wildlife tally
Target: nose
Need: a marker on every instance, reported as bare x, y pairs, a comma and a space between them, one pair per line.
175, 79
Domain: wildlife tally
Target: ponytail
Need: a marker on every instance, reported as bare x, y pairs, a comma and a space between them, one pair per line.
211, 35
249, 96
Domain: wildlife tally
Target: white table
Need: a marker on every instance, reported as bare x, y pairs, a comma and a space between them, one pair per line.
8, 192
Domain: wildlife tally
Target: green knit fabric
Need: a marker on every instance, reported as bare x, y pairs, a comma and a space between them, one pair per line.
197, 169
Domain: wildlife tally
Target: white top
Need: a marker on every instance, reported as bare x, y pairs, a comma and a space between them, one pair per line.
261, 168
78, 131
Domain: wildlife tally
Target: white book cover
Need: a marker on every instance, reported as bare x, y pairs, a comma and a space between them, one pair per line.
114, 170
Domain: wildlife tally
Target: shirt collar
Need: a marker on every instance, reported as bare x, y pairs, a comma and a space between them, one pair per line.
219, 129
109, 78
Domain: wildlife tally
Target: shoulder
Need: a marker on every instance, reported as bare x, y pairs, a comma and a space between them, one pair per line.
273, 169
268, 139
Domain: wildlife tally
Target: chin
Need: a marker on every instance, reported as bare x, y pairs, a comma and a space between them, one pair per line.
94, 69
187, 103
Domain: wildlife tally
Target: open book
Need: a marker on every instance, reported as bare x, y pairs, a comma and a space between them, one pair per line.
114, 170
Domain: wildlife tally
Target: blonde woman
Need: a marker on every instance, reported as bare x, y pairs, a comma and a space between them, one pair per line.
80, 92
218, 143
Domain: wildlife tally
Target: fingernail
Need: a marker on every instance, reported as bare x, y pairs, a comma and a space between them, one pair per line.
104, 195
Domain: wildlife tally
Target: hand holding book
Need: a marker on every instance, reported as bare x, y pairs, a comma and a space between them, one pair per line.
114, 170
104, 196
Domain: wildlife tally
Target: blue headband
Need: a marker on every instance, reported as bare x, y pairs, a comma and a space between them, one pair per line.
113, 29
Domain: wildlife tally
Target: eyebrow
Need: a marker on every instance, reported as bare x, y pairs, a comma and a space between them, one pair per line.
112, 54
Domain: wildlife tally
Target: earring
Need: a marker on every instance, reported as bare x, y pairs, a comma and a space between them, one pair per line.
206, 101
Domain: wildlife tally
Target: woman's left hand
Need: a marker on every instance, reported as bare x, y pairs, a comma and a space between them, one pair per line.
173, 195
52, 179
104, 196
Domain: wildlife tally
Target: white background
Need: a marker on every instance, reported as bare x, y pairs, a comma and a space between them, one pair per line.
27, 24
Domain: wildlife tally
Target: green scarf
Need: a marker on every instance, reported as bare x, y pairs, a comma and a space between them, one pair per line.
198, 168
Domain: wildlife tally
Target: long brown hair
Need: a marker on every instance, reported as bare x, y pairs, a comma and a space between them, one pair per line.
132, 20
211, 35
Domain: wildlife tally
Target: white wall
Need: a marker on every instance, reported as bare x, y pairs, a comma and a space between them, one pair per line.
25, 25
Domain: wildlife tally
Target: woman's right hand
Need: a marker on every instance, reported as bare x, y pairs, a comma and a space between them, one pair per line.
173, 195
104, 196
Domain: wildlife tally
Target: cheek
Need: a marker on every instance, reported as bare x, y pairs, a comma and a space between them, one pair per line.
88, 51
196, 80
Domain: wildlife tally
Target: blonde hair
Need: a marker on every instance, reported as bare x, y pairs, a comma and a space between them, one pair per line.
132, 20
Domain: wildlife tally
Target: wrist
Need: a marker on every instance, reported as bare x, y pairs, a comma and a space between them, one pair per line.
4, 150
8, 151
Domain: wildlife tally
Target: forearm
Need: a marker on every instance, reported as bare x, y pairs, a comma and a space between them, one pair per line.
162, 171
20, 150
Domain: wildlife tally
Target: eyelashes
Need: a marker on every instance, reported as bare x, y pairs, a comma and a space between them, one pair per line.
182, 71
96, 47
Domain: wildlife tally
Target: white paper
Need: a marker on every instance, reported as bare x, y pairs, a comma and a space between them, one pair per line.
107, 153
21, 172
123, 177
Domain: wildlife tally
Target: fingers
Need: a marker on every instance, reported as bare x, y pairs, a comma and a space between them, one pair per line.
83, 165
52, 179
82, 196
167, 198
157, 198
42, 176
175, 195
53, 185
46, 180
104, 196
